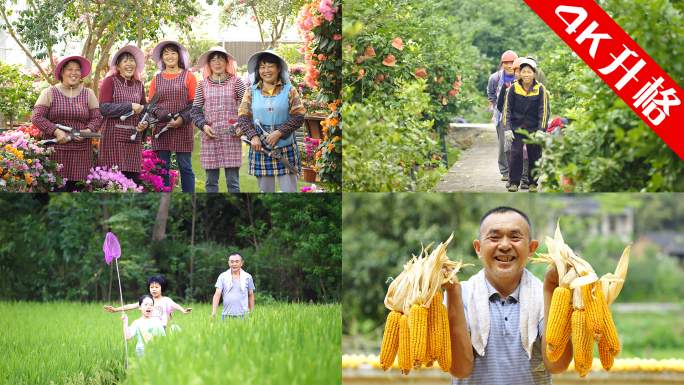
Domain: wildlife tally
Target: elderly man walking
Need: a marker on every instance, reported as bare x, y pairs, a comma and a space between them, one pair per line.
496, 82
498, 317
237, 288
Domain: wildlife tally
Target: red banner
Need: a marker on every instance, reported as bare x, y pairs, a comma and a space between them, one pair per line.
620, 62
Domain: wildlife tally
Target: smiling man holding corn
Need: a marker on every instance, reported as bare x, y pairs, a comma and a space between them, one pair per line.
496, 318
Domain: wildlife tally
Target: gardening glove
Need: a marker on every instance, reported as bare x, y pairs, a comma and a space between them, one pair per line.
509, 136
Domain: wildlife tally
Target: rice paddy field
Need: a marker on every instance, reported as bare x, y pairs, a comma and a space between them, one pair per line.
73, 343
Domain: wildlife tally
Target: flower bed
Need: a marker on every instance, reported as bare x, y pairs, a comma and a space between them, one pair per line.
103, 179
25, 166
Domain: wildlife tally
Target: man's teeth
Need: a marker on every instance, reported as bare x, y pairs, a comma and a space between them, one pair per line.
504, 259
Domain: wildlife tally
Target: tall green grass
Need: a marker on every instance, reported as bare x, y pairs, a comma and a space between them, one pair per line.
67, 343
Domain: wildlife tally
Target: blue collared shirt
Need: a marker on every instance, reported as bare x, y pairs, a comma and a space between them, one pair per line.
505, 360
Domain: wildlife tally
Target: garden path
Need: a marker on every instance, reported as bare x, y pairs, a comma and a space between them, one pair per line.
477, 169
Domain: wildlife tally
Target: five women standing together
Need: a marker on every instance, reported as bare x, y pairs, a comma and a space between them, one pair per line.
218, 104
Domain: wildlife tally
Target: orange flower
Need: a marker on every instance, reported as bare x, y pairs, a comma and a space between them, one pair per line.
325, 130
337, 37
29, 161
0, 170
6, 176
336, 138
326, 138
321, 57
332, 122
334, 166
27, 176
330, 147
318, 155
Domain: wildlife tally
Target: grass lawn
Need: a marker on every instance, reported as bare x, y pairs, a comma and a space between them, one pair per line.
248, 183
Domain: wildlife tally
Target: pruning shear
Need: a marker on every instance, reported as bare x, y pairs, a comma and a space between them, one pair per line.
145, 112
272, 152
174, 117
72, 134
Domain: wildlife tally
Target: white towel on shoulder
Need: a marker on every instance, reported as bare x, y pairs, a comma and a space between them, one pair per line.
531, 310
243, 280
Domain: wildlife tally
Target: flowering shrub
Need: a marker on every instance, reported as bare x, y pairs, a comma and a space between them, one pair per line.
25, 166
153, 169
32, 130
308, 150
320, 25
103, 179
17, 93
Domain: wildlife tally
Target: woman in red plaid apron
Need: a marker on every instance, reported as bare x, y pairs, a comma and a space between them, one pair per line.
176, 86
121, 94
276, 104
72, 105
215, 110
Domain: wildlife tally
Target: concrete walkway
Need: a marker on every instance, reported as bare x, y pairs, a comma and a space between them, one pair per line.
477, 170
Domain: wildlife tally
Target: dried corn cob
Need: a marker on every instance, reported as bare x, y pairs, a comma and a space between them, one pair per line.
418, 318
404, 345
434, 334
554, 352
558, 316
607, 358
593, 310
444, 358
609, 333
390, 340
582, 343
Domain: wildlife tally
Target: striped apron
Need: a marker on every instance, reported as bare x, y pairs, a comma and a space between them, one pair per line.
272, 112
173, 97
116, 147
221, 112
76, 157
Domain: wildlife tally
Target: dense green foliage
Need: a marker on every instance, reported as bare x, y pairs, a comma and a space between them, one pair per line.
379, 241
51, 245
70, 343
17, 94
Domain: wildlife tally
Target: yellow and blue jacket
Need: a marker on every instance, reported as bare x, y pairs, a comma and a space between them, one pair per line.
529, 110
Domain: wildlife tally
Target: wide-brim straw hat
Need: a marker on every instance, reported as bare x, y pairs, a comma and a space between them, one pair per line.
157, 52
138, 56
204, 58
253, 62
85, 65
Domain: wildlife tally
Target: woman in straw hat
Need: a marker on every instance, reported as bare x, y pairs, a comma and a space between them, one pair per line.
123, 92
215, 110
69, 104
276, 104
176, 86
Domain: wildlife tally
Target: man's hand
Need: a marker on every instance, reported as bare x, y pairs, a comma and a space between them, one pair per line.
551, 277
238, 132
256, 143
273, 137
176, 123
509, 136
446, 271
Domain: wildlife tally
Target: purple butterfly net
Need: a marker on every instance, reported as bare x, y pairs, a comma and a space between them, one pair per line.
111, 248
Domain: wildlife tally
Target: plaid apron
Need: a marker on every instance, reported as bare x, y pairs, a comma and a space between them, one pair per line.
220, 111
173, 97
272, 112
75, 156
116, 147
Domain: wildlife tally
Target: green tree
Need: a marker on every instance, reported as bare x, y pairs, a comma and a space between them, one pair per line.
17, 94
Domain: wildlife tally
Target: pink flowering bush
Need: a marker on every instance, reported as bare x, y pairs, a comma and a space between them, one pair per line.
307, 151
103, 179
25, 165
153, 169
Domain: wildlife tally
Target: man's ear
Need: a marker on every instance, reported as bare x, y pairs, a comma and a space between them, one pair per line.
476, 245
533, 246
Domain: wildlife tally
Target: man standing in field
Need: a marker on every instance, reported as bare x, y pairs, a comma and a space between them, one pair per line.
496, 318
237, 288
